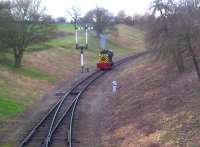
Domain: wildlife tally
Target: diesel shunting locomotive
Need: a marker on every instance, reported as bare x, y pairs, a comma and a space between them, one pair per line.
105, 60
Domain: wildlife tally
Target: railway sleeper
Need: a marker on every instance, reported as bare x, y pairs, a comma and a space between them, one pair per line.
74, 141
74, 93
59, 93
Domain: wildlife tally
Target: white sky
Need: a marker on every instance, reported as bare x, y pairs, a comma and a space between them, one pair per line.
57, 8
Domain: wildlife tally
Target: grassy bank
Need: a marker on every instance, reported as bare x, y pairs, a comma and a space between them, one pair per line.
154, 108
48, 62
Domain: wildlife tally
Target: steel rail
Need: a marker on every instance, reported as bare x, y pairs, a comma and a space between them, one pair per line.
75, 105
53, 108
58, 105
122, 61
54, 126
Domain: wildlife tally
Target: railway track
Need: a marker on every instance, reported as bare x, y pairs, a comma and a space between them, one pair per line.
55, 128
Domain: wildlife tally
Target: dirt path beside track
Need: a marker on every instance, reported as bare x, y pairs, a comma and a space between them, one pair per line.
94, 106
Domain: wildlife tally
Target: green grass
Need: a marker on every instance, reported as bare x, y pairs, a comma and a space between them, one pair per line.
65, 42
9, 106
37, 47
7, 145
12, 101
26, 71
58, 42
68, 42
66, 27
10, 144
6, 60
32, 72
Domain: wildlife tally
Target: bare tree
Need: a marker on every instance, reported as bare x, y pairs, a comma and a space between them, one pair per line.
189, 22
75, 14
160, 33
121, 16
24, 27
48, 19
175, 30
5, 21
101, 19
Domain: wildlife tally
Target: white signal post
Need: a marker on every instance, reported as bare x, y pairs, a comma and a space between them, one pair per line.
82, 47
86, 35
82, 61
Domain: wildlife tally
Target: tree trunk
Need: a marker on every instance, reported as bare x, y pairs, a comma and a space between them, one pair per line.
18, 55
194, 59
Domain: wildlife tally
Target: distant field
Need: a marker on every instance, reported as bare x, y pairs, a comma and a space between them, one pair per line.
65, 27
127, 39
48, 62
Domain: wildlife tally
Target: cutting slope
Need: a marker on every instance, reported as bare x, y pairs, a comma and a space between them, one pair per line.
154, 108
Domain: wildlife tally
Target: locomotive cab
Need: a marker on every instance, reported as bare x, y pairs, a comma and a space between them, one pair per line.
105, 60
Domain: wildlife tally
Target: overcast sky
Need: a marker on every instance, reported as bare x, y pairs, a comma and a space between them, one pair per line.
57, 7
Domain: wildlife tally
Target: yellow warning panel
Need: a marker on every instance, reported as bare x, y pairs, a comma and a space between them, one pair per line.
103, 59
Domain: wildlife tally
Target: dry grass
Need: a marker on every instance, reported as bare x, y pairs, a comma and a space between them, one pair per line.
57, 62
27, 86
155, 109
129, 37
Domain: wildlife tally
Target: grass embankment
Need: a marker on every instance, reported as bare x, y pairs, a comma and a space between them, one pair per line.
124, 41
155, 108
46, 63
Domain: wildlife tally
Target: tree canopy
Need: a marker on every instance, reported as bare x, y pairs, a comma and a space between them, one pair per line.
22, 23
174, 29
101, 19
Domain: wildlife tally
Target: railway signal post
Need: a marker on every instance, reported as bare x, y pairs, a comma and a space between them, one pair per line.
83, 46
